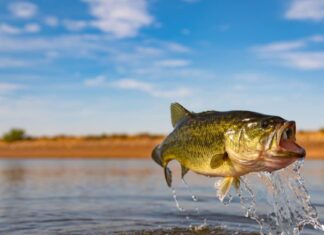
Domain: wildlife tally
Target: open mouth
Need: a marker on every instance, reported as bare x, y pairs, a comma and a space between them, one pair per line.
287, 140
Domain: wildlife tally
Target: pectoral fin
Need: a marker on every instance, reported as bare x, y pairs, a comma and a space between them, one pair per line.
168, 176
218, 160
225, 185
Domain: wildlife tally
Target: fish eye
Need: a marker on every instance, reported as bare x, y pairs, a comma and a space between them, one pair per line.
265, 123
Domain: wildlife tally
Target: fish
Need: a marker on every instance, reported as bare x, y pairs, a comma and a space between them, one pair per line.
227, 144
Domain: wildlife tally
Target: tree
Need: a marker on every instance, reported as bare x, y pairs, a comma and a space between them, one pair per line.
14, 134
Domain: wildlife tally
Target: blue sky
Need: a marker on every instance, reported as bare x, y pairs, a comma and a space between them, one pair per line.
94, 66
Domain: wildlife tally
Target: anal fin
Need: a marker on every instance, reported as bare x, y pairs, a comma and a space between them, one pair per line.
184, 171
225, 185
168, 176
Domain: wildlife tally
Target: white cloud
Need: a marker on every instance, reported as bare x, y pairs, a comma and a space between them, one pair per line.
295, 54
75, 25
174, 73
13, 63
9, 87
248, 77
121, 18
185, 32
317, 38
137, 85
176, 47
306, 10
67, 44
52, 54
9, 29
283, 46
223, 27
172, 63
150, 59
86, 44
304, 60
32, 28
148, 51
147, 54
12, 30
126, 58
173, 93
51, 21
95, 82
23, 9
190, 1
131, 84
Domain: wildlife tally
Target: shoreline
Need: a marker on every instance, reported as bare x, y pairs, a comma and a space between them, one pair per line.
107, 158
139, 147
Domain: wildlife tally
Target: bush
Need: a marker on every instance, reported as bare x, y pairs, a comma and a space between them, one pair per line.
14, 135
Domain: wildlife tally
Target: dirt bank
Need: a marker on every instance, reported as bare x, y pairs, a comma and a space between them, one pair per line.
135, 147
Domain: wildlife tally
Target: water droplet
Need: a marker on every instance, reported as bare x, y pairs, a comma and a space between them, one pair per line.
174, 194
290, 200
193, 197
290, 208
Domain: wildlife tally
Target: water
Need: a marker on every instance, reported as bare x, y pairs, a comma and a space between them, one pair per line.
131, 197
285, 198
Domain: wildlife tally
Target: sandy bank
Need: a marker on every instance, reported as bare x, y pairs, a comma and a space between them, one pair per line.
139, 147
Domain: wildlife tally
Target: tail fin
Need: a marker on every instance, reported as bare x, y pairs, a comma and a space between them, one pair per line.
156, 155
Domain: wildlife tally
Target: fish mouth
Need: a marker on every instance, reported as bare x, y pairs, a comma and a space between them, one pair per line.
286, 141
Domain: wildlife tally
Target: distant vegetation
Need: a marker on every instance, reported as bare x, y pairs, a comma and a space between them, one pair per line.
122, 136
15, 134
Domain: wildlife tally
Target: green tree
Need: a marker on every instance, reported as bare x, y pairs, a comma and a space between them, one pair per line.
14, 134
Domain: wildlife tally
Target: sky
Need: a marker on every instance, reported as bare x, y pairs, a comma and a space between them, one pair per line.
114, 66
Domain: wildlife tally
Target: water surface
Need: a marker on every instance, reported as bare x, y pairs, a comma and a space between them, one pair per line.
122, 197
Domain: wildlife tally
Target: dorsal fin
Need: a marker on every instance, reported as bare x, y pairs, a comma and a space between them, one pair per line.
178, 112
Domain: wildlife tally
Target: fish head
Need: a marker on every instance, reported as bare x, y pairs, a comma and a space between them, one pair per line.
263, 143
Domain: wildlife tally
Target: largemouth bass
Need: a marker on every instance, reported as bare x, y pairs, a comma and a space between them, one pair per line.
227, 144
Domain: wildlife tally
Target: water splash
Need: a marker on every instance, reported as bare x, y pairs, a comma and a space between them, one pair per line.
290, 207
248, 202
199, 227
174, 195
192, 226
193, 196
278, 202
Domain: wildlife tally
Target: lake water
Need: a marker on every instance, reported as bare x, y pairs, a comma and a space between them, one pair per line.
122, 197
